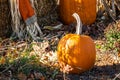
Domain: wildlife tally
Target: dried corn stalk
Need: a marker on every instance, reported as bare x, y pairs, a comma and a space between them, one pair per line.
24, 31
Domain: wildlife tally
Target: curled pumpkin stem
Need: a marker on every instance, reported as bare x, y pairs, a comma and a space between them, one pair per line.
79, 23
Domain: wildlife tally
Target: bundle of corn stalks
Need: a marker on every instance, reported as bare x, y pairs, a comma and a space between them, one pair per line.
45, 11
5, 25
24, 18
24, 12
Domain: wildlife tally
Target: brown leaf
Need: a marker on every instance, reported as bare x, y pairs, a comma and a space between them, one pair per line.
39, 75
119, 54
22, 76
2, 60
65, 67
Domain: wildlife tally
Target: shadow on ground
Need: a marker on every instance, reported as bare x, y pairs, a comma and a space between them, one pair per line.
108, 72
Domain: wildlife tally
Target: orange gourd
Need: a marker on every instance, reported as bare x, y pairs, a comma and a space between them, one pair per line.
85, 8
76, 50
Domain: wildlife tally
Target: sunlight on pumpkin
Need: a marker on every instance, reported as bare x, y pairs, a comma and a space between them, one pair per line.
79, 1
77, 51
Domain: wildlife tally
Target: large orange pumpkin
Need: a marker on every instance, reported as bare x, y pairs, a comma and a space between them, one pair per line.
85, 8
76, 50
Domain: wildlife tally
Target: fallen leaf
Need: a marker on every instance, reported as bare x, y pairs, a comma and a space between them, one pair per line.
2, 60
39, 75
22, 76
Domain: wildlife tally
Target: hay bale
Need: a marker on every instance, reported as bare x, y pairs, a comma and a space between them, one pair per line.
46, 11
5, 27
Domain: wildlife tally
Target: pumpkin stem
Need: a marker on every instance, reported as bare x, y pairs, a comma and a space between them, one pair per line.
79, 23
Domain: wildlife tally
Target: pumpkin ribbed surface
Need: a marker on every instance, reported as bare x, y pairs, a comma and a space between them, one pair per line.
78, 51
85, 8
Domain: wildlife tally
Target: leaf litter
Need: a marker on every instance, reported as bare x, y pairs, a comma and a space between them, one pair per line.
23, 60
38, 60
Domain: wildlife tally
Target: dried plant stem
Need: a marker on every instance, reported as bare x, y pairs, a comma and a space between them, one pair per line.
6, 69
118, 4
113, 8
116, 76
112, 13
64, 76
17, 26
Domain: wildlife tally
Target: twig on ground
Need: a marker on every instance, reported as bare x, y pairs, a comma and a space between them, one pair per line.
116, 76
6, 69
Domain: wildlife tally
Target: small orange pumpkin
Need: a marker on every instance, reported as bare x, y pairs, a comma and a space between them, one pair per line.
76, 50
85, 8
